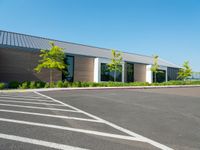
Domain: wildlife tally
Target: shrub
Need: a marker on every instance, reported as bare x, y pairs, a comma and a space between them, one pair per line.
13, 84
50, 85
24, 85
156, 84
60, 84
140, 84
76, 84
32, 85
65, 84
40, 84
85, 84
79, 84
2, 86
46, 85
93, 84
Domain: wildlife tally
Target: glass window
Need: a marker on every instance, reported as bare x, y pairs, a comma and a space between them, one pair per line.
69, 76
160, 76
106, 75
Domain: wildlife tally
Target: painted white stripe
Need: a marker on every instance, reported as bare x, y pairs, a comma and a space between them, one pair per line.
140, 137
35, 107
72, 129
38, 142
42, 100
48, 115
72, 107
13, 101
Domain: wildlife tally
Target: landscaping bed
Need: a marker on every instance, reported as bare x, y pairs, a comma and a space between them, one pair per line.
66, 84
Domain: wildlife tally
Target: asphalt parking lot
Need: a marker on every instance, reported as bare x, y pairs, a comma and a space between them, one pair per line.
144, 119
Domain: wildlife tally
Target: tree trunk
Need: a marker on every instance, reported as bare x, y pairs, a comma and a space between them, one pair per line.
51, 76
115, 76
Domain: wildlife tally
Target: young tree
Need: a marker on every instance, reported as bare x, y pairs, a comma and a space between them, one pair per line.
155, 66
185, 71
115, 64
51, 59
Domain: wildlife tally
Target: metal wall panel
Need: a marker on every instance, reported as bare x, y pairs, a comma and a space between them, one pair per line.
15, 40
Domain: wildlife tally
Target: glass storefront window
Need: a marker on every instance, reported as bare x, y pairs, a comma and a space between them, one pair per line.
106, 75
69, 60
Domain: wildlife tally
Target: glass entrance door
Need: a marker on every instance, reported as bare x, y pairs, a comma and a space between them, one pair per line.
160, 76
130, 72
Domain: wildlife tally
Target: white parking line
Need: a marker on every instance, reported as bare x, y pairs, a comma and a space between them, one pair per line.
72, 107
35, 107
13, 101
97, 133
48, 115
39, 142
26, 99
137, 136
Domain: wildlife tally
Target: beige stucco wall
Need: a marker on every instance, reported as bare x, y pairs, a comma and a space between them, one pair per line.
139, 72
83, 68
17, 65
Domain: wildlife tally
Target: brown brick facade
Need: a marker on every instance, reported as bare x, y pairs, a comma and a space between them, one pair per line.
17, 65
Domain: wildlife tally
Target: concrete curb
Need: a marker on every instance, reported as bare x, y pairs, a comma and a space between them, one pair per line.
98, 88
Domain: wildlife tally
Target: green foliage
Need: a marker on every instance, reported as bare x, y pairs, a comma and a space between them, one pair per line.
66, 84
115, 64
180, 82
2, 86
24, 85
13, 84
50, 85
36, 84
40, 84
47, 85
139, 84
155, 66
185, 71
32, 85
85, 84
52, 59
60, 84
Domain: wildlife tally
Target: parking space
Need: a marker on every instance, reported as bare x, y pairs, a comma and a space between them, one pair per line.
170, 116
126, 119
32, 120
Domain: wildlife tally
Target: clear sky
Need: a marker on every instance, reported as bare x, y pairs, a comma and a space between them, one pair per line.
168, 28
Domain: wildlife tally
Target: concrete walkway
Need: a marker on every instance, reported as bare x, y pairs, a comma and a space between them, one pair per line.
97, 88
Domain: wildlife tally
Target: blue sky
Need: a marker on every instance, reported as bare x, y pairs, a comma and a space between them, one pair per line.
168, 28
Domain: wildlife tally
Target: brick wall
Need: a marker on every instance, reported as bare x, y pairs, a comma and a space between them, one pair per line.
18, 65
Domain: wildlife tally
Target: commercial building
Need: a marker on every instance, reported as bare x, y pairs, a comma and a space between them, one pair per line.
19, 54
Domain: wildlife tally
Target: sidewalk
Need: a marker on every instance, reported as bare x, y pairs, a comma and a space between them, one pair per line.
97, 88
